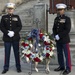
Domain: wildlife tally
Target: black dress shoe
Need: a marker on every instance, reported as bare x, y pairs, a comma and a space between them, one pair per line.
4, 71
59, 69
66, 72
19, 70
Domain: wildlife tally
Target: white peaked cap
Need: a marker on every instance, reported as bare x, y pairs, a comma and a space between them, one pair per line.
61, 6
10, 5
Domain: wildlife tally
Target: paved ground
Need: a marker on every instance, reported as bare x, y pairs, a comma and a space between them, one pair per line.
26, 67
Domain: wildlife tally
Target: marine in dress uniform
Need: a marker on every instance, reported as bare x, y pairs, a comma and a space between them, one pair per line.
61, 29
11, 26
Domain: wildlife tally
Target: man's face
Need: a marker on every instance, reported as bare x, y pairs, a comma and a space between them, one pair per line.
10, 10
61, 11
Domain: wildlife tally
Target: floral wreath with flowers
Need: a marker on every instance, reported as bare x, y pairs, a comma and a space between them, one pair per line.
37, 45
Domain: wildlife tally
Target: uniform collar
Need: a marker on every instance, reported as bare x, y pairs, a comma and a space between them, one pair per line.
10, 14
62, 15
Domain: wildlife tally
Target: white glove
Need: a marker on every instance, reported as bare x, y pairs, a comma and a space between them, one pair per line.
57, 37
11, 33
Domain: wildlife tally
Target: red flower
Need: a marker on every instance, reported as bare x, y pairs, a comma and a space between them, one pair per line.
47, 48
41, 35
47, 55
24, 44
28, 55
37, 59
46, 43
50, 49
29, 38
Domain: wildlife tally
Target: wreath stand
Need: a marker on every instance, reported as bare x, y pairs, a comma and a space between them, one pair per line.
35, 39
31, 66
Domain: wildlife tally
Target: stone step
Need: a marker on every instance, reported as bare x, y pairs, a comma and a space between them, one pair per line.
23, 32
26, 27
72, 40
72, 46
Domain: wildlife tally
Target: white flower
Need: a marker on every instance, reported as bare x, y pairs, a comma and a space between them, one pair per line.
51, 53
31, 45
45, 33
48, 51
27, 59
44, 51
27, 42
22, 47
28, 52
41, 58
48, 37
45, 39
39, 44
24, 51
37, 55
53, 48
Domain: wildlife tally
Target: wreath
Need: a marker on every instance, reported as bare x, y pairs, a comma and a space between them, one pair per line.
37, 45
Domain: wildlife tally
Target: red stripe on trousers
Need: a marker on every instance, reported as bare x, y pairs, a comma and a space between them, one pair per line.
69, 57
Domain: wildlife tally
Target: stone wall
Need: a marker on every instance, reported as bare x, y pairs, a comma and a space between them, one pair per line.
3, 2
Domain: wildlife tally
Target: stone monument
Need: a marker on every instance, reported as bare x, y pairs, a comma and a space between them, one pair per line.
40, 17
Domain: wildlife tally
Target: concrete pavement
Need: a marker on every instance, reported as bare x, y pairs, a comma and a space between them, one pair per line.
26, 67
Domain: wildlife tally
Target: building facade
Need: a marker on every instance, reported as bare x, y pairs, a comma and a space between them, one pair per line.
69, 3
3, 2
